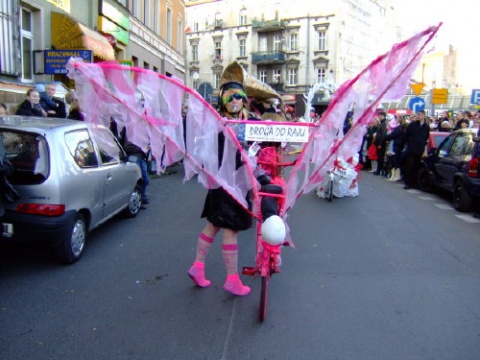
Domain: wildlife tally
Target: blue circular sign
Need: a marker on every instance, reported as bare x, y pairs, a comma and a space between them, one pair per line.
416, 104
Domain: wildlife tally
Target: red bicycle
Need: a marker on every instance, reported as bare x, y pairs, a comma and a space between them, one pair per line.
271, 237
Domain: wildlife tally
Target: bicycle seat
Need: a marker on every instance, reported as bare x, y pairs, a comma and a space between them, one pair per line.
271, 189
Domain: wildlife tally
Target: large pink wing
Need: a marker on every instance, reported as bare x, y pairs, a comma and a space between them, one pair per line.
387, 77
149, 106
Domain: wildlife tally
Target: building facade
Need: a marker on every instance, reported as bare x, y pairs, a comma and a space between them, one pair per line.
290, 46
39, 35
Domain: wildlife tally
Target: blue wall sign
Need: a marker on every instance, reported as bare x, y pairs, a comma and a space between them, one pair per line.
416, 104
56, 60
475, 99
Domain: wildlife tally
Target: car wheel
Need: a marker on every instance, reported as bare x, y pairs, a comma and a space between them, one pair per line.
423, 179
462, 201
72, 247
134, 203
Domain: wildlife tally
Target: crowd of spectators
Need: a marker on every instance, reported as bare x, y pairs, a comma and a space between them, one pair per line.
384, 151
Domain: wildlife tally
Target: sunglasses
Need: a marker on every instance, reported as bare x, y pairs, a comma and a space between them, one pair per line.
234, 96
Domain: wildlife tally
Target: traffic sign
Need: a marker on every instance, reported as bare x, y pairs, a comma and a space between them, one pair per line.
416, 104
417, 88
439, 96
475, 99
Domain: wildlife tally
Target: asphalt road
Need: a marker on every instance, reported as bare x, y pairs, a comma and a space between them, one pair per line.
391, 274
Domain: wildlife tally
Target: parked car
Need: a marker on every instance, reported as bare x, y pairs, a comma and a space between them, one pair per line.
454, 166
70, 177
435, 139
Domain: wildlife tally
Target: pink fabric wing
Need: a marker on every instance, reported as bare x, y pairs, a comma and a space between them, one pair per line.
387, 77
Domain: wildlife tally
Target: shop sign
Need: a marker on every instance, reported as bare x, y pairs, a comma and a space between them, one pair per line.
56, 60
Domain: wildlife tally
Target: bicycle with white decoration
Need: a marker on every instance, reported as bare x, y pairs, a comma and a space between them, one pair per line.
269, 144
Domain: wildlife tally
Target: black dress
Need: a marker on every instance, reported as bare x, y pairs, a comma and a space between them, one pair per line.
221, 209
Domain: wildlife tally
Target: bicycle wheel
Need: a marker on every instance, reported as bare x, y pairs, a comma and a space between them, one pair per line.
264, 297
330, 191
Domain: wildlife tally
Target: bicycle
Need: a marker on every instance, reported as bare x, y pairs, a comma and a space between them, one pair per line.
261, 135
268, 252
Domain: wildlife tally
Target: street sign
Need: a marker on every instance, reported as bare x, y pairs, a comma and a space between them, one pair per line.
56, 60
475, 99
416, 104
417, 88
439, 96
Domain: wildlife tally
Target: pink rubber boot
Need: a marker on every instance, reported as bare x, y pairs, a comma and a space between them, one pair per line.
197, 273
234, 285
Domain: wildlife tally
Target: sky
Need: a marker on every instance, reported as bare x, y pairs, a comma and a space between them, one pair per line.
460, 28
459, 17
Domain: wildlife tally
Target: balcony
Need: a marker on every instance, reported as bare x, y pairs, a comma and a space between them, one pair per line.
266, 58
268, 25
279, 87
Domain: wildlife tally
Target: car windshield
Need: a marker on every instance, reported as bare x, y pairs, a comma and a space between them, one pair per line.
28, 154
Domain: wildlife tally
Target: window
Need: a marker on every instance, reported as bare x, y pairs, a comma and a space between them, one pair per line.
7, 56
243, 17
263, 76
147, 11
322, 41
195, 26
28, 153
155, 69
293, 42
27, 44
110, 152
243, 48
292, 77
263, 44
277, 43
321, 75
169, 26
216, 80
180, 32
195, 83
146, 65
156, 16
194, 52
135, 61
277, 76
461, 145
136, 8
81, 148
218, 50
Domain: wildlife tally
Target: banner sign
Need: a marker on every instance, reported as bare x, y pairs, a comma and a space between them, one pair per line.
276, 133
56, 60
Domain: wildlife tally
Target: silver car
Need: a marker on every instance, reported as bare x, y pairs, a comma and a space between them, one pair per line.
70, 179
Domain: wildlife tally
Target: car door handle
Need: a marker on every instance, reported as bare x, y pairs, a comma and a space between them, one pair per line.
109, 176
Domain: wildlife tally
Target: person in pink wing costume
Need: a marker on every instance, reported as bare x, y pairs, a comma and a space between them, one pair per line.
222, 211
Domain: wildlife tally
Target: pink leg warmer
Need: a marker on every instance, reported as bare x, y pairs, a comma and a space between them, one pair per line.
197, 271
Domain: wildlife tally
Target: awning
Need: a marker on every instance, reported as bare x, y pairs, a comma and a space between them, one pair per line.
68, 34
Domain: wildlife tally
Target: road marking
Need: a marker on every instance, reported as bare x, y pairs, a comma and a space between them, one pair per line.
468, 218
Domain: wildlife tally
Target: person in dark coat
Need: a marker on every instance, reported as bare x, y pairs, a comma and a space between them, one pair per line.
416, 138
31, 105
397, 135
380, 142
60, 109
